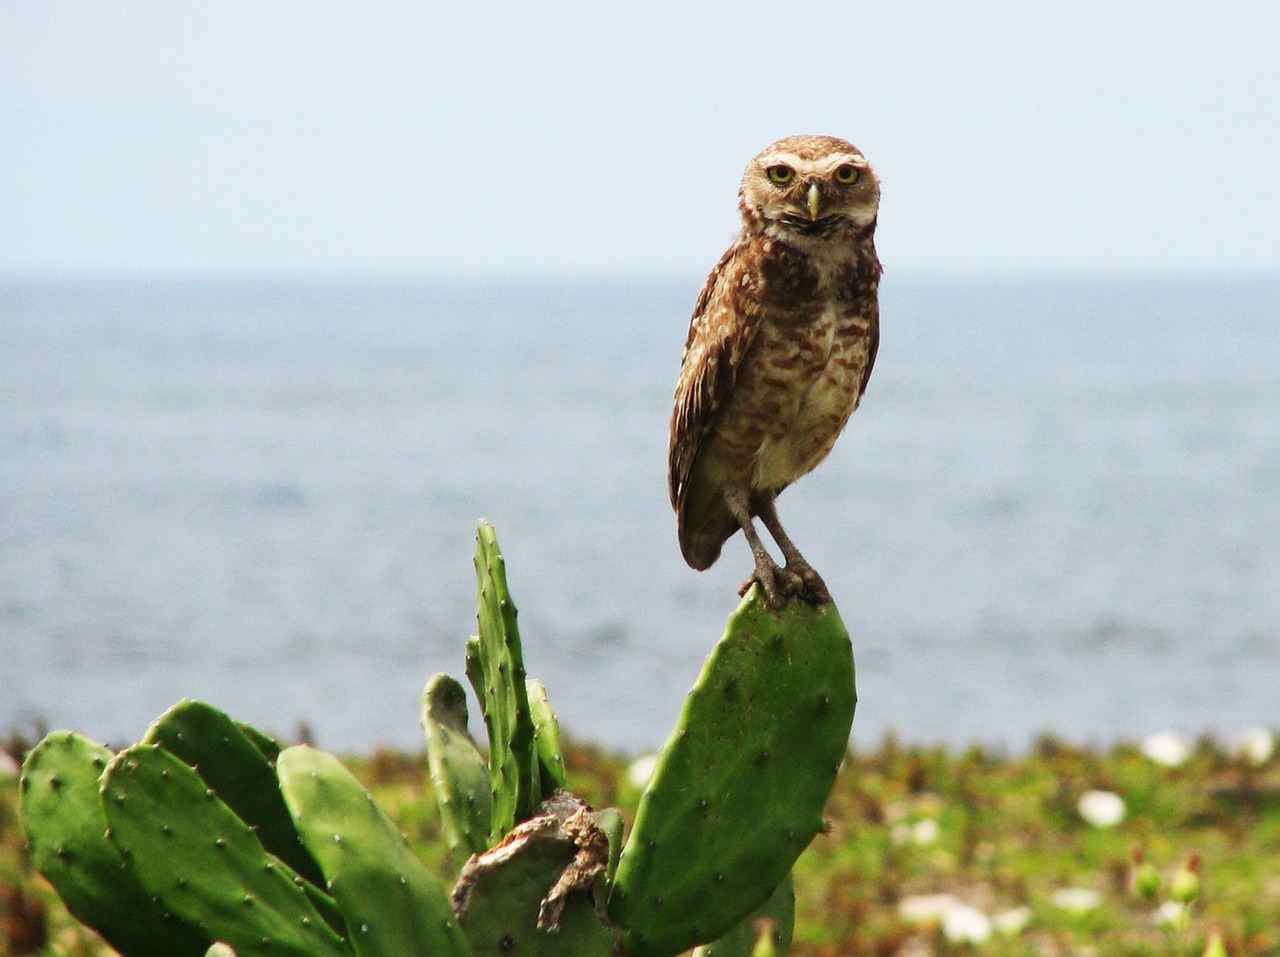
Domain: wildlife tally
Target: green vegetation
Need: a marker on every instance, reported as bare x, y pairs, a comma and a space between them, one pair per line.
1008, 835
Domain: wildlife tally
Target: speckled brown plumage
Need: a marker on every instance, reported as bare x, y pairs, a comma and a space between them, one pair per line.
780, 347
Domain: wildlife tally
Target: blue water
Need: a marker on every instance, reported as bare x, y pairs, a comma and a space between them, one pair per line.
1057, 509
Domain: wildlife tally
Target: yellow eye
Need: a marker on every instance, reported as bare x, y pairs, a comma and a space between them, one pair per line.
781, 174
846, 174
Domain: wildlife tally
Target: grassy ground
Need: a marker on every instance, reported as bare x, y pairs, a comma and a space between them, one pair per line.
923, 829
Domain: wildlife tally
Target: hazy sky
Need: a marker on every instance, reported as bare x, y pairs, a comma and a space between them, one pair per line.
598, 138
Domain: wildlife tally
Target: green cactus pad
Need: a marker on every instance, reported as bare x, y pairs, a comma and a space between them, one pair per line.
533, 893
775, 918
546, 737
459, 772
495, 667
67, 828
393, 906
268, 745
234, 765
205, 864
740, 786
610, 820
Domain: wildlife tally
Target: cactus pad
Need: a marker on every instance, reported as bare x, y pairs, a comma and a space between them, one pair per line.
393, 906
766, 930
68, 833
495, 667
208, 867
235, 767
534, 893
546, 736
459, 772
739, 788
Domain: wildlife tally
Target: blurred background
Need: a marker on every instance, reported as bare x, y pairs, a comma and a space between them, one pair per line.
290, 297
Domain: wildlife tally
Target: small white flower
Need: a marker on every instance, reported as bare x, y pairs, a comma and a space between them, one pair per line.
1077, 900
965, 924
1101, 808
926, 908
924, 833
641, 769
1254, 745
1168, 748
1173, 915
1012, 922
961, 923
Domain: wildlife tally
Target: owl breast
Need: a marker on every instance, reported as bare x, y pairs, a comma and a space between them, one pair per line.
815, 397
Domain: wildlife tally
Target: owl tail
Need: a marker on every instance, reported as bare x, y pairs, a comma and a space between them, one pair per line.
703, 533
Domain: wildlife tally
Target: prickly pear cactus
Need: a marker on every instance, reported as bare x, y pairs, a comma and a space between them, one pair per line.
391, 904
765, 931
238, 771
459, 772
535, 893
68, 832
495, 667
208, 838
546, 737
193, 853
739, 788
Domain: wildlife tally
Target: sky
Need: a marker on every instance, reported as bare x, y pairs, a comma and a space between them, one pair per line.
563, 138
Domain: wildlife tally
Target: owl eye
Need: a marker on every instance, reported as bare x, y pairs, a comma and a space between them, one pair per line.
781, 174
846, 174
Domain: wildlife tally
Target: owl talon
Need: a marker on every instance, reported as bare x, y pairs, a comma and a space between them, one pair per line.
780, 585
812, 587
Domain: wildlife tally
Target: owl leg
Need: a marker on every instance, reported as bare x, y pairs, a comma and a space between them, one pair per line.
812, 584
774, 580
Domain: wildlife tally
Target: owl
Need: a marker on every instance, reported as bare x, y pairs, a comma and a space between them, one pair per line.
780, 347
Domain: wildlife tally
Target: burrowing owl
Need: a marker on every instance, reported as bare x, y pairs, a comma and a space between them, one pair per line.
780, 347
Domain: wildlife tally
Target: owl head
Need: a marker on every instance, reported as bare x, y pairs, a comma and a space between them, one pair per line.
810, 186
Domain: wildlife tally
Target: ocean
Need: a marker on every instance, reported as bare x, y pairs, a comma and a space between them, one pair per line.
1057, 511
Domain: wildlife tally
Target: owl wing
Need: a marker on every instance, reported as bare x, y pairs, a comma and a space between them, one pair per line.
721, 332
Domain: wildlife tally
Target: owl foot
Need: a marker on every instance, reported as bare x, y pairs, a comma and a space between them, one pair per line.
780, 585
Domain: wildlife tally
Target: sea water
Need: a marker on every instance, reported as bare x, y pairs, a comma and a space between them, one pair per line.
1058, 509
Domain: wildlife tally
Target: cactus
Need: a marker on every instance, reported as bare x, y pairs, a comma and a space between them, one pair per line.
459, 771
192, 852
207, 838
739, 788
546, 737
238, 772
68, 828
767, 930
535, 893
392, 905
495, 667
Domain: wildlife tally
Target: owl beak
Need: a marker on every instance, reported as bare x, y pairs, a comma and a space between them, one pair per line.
815, 201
